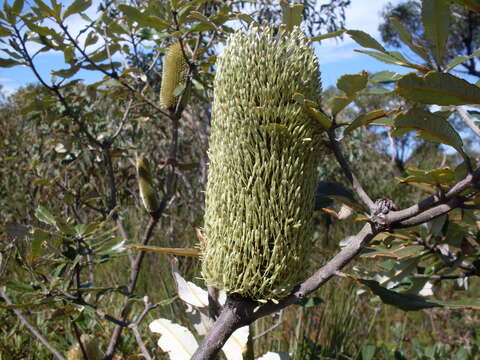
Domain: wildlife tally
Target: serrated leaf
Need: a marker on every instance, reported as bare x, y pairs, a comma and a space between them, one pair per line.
365, 40
364, 119
176, 340
438, 88
352, 83
133, 14
436, 22
436, 126
328, 35
76, 7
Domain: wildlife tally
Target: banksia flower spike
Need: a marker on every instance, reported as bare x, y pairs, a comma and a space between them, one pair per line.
173, 75
263, 157
147, 190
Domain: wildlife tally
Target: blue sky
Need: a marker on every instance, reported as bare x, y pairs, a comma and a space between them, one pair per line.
336, 57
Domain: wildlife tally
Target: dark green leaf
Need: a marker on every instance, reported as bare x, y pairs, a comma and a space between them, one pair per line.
76, 7
436, 22
406, 302
438, 88
430, 124
334, 191
365, 40
406, 37
352, 83
461, 59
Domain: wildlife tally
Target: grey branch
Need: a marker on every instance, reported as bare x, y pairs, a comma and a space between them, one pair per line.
467, 120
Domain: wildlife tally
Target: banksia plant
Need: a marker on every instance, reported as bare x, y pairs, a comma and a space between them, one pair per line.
173, 75
147, 190
263, 156
90, 345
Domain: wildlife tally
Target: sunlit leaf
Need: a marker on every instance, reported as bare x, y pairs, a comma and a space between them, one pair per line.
236, 344
167, 251
188, 291
328, 35
274, 356
365, 40
44, 215
176, 340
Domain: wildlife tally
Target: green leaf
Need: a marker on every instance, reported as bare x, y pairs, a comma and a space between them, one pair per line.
328, 35
436, 22
438, 88
39, 238
313, 112
6, 63
197, 16
398, 253
461, 59
351, 84
43, 9
291, 14
191, 252
364, 119
76, 7
391, 57
431, 124
406, 302
406, 37
440, 176
17, 7
385, 76
337, 192
133, 14
44, 215
339, 103
365, 40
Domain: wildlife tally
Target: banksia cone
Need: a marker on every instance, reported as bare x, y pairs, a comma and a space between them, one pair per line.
263, 156
173, 75
90, 345
145, 183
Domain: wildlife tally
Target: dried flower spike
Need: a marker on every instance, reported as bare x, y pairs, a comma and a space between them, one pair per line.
263, 157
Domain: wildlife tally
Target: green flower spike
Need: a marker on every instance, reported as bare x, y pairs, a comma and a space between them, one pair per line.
145, 183
173, 75
263, 157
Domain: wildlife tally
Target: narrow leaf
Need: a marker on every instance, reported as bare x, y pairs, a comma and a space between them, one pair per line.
167, 251
328, 35
188, 291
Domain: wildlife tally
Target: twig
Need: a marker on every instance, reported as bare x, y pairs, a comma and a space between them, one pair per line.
335, 145
467, 120
138, 338
30, 327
